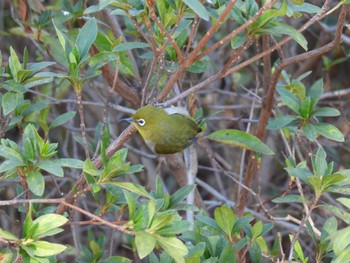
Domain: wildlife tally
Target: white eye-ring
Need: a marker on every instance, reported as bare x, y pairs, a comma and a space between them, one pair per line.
141, 122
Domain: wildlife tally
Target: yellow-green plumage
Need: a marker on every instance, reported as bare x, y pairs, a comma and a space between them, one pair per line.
165, 131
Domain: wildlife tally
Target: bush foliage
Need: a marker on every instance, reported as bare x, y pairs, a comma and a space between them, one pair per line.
267, 180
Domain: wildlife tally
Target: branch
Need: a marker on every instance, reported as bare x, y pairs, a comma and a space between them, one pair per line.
62, 201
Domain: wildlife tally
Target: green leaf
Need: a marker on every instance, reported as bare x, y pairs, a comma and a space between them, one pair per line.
278, 29
44, 224
104, 144
289, 99
329, 227
145, 243
331, 180
51, 166
70, 162
329, 131
319, 162
340, 240
35, 67
257, 229
159, 188
23, 74
310, 131
207, 221
7, 235
255, 253
9, 102
28, 149
198, 8
343, 256
86, 37
161, 220
326, 112
129, 46
173, 246
36, 81
62, 119
11, 154
267, 18
14, 64
151, 208
339, 212
131, 203
102, 58
36, 183
298, 249
316, 92
227, 254
9, 164
344, 201
46, 249
238, 40
175, 228
288, 199
301, 173
181, 194
90, 168
240, 139
28, 222
65, 44
198, 67
135, 188
316, 185
306, 108
280, 122
225, 219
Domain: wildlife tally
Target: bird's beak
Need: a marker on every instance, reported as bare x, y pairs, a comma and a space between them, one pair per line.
127, 120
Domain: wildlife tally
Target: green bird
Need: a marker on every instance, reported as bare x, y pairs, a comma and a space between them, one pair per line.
167, 130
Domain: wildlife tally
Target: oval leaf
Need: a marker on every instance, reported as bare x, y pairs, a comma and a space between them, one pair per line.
329, 131
86, 37
198, 8
51, 166
225, 219
36, 183
9, 102
145, 243
240, 139
129, 45
62, 119
135, 188
326, 112
46, 249
280, 122
45, 224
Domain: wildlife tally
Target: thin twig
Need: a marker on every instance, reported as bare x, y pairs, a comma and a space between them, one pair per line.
74, 207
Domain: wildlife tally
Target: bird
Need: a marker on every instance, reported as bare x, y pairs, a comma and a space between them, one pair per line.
165, 130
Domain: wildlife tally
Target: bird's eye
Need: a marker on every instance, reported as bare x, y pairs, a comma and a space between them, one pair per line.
141, 122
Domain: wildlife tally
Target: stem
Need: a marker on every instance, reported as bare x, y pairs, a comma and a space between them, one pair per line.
82, 123
302, 223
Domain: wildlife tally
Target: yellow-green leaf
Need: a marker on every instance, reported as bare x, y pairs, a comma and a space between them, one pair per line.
240, 139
